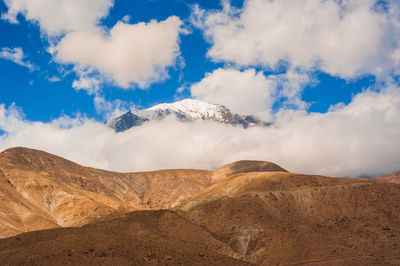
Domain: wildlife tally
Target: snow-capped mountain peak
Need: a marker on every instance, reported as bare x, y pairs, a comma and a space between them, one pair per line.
185, 110
194, 109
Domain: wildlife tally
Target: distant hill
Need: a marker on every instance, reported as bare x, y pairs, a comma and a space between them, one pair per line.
392, 178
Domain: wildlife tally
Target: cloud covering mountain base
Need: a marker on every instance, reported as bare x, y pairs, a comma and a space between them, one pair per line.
359, 139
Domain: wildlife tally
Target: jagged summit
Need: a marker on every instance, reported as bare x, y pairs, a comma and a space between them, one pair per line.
185, 110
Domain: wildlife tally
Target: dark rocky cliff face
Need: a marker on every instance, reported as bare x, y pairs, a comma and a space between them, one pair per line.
126, 121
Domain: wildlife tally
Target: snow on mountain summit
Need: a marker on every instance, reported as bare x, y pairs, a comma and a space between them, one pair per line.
194, 108
185, 110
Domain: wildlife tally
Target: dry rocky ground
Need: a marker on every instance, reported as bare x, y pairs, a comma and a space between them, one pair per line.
247, 212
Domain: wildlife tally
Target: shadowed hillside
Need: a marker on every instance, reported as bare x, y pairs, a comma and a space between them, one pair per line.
143, 237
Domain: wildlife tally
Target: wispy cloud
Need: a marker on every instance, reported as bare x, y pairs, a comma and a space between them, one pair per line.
53, 79
17, 56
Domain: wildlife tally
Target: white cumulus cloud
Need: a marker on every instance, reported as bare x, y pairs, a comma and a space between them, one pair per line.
343, 38
251, 92
57, 17
244, 92
129, 54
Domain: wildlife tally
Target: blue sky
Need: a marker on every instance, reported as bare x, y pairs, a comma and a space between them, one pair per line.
43, 100
325, 72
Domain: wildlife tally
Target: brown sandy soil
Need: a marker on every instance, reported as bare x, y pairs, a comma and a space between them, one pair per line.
143, 237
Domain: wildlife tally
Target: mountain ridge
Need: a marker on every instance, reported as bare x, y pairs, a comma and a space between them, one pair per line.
185, 111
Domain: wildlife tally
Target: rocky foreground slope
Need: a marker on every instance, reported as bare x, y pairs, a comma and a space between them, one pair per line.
142, 237
243, 213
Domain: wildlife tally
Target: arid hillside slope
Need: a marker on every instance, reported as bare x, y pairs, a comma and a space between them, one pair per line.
39, 190
143, 237
245, 167
242, 213
279, 217
392, 178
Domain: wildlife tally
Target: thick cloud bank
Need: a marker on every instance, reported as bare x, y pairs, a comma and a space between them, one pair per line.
359, 139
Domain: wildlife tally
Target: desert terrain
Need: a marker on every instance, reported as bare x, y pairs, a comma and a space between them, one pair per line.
54, 211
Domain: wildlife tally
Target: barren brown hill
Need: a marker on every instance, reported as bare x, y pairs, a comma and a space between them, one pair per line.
143, 237
245, 167
39, 190
285, 218
392, 178
249, 210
